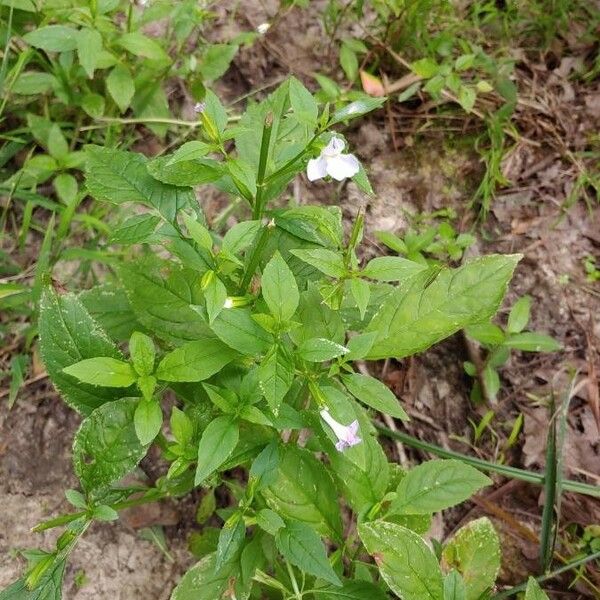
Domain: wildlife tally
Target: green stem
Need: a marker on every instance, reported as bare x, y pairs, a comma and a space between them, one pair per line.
262, 166
551, 575
506, 471
254, 259
297, 592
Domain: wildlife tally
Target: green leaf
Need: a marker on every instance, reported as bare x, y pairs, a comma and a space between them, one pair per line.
182, 427
162, 306
66, 188
303, 548
279, 288
349, 61
148, 420
425, 68
106, 446
231, 539
116, 176
264, 468
485, 333
530, 341
303, 104
475, 552
135, 229
142, 352
436, 485
49, 587
405, 562
93, 105
304, 491
421, 312
269, 520
217, 443
320, 350
534, 591
185, 172
189, 151
89, 47
68, 334
466, 98
375, 394
454, 587
216, 60
215, 294
239, 331
120, 86
53, 38
203, 581
103, 512
361, 292
32, 83
326, 261
195, 361
356, 109
276, 374
104, 371
391, 268
140, 45
519, 315
351, 590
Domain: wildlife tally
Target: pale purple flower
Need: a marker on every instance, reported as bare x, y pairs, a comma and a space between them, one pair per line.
346, 434
333, 162
199, 107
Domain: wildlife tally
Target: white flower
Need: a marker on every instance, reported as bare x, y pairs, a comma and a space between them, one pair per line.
346, 434
263, 28
332, 162
229, 303
199, 107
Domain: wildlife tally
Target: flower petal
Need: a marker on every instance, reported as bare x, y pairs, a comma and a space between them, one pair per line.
334, 148
343, 166
316, 168
341, 446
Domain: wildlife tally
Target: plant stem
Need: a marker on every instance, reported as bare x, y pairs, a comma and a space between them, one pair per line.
484, 465
297, 591
262, 166
551, 575
254, 259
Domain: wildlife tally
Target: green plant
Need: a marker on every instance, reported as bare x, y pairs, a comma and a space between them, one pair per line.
254, 332
498, 342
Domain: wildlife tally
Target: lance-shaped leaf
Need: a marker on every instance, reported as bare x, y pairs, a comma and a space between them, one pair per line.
421, 312
204, 582
276, 374
279, 288
217, 443
104, 371
375, 394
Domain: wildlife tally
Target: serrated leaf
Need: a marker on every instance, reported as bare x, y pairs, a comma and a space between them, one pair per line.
195, 361
104, 371
68, 334
435, 485
405, 562
106, 446
375, 394
116, 176
303, 104
301, 546
421, 312
218, 441
475, 552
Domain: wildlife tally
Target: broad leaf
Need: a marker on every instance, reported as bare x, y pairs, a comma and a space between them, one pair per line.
120, 86
475, 553
356, 109
204, 582
89, 47
351, 590
391, 268
67, 335
195, 361
106, 446
147, 420
239, 331
53, 38
435, 485
304, 491
142, 351
320, 349
454, 587
103, 371
231, 539
116, 176
534, 591
327, 261
301, 546
276, 374
405, 562
216, 444
422, 312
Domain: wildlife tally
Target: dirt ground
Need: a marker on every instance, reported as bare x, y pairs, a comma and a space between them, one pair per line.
426, 173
